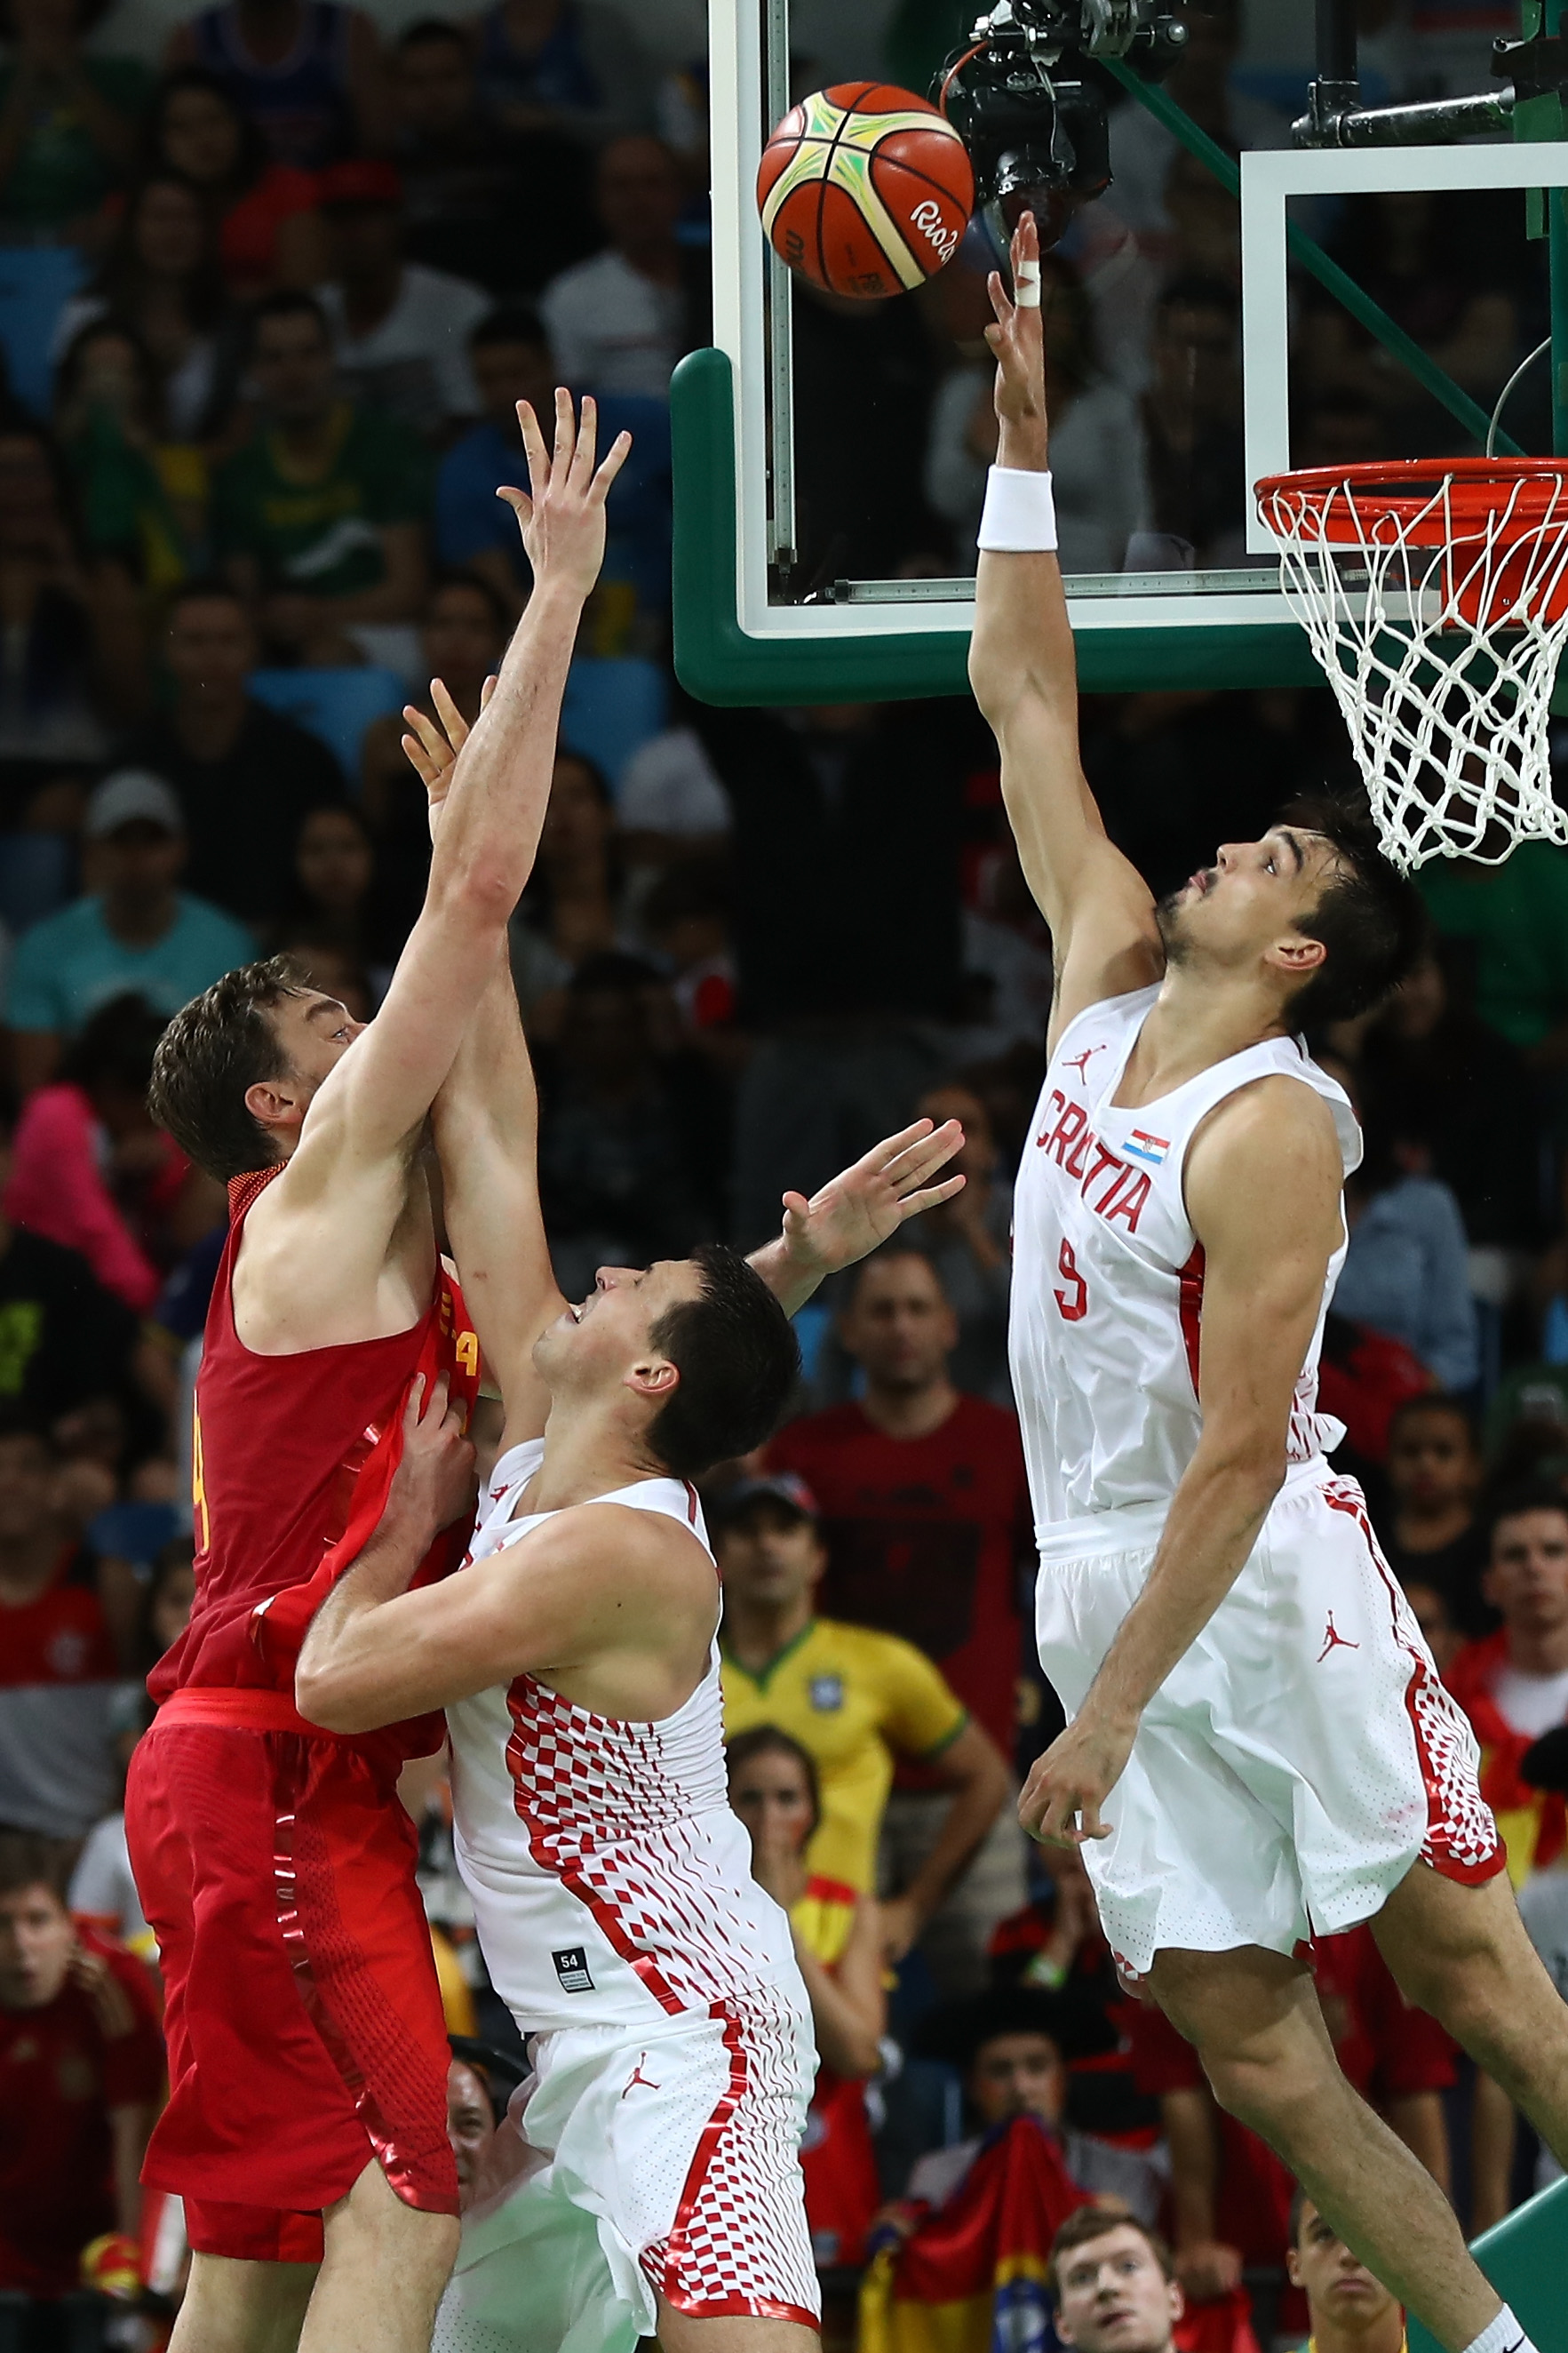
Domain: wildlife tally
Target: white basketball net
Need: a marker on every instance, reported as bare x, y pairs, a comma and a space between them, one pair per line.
1441, 659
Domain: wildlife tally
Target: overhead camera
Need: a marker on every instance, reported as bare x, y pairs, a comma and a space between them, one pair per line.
1025, 97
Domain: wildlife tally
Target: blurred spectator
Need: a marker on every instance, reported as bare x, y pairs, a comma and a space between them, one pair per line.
1115, 2285
1201, 80
1192, 420
670, 802
838, 1942
1513, 1684
846, 849
631, 1138
244, 777
1443, 1077
1543, 1899
51, 652
140, 498
467, 626
82, 2073
64, 1342
1433, 1536
1008, 977
856, 1701
1011, 2047
58, 1665
134, 933
1517, 915
687, 917
969, 1242
1363, 1378
268, 232
166, 1603
475, 532
321, 518
90, 1171
1406, 1272
466, 182
163, 278
399, 328
1430, 1610
926, 1518
618, 322
333, 900
308, 73
102, 1896
322, 965
863, 386
1097, 449
563, 64
68, 120
1349, 2310
571, 908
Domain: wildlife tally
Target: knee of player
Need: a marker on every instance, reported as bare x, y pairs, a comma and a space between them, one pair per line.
1265, 2088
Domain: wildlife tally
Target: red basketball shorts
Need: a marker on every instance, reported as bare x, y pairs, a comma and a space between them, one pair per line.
303, 2019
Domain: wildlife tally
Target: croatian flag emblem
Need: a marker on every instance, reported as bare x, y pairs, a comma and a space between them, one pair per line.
1152, 1148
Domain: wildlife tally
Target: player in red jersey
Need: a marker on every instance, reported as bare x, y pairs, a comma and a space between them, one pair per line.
306, 2121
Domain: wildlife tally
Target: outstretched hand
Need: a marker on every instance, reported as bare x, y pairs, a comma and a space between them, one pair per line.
1017, 339
431, 745
562, 512
863, 1206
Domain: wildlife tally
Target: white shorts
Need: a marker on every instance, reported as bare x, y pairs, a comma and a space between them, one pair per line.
1298, 1759
668, 2164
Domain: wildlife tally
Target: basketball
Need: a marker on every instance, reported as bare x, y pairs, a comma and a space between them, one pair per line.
865, 190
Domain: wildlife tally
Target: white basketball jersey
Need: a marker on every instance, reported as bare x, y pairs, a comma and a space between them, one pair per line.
612, 1883
1108, 1275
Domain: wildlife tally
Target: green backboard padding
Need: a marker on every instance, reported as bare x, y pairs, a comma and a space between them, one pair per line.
718, 662
1526, 2260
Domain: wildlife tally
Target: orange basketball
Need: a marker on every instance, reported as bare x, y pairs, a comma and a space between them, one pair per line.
865, 189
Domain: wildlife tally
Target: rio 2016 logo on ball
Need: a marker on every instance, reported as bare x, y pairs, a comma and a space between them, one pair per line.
865, 189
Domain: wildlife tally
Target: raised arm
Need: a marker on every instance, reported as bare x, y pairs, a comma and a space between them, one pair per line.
374, 1103
1021, 667
1263, 1183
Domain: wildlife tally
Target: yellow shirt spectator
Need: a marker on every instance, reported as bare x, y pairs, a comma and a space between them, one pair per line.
857, 1700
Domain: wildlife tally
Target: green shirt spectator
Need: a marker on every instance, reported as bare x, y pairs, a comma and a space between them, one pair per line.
1517, 914
68, 123
320, 520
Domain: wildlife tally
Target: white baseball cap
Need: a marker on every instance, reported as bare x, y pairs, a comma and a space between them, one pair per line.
128, 796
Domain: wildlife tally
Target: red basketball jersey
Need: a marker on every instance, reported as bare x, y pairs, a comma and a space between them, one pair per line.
292, 1458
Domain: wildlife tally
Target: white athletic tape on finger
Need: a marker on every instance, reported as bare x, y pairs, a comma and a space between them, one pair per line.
1020, 514
1026, 285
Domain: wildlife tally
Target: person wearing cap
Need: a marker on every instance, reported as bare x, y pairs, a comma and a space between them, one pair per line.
320, 519
399, 328
1349, 2311
855, 1700
1013, 2048
135, 931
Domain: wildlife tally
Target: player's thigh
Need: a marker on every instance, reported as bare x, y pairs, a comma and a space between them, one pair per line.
1461, 1952
1253, 2017
681, 2332
233, 2304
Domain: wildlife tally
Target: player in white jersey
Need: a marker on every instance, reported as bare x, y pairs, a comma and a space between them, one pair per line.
659, 2182
1258, 1747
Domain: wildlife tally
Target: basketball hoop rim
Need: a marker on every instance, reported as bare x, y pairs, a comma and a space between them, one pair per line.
1512, 499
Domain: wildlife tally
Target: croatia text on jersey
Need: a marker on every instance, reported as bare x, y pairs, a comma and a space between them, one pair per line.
1112, 1186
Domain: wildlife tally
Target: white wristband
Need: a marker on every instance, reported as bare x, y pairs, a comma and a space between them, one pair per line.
1020, 516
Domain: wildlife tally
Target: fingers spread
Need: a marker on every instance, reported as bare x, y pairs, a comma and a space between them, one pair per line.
533, 442
588, 434
452, 719
565, 433
911, 1204
615, 458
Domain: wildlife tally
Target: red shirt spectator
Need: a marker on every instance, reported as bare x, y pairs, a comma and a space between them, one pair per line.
81, 2067
925, 1506
1514, 1685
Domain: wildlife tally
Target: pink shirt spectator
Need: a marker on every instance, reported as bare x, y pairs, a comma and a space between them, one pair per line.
58, 1189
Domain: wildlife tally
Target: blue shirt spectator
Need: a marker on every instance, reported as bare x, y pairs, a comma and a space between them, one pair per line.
134, 933
1406, 1275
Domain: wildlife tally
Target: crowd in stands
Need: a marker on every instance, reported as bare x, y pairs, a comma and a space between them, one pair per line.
300, 262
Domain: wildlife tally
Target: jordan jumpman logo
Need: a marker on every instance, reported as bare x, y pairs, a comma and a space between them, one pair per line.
1334, 1641
637, 2077
1079, 1062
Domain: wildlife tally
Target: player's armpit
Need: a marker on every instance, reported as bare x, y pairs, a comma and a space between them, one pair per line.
609, 1604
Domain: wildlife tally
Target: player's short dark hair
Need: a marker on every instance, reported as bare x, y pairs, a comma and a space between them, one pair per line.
1410, 1408
28, 1859
1529, 1496
771, 1740
510, 322
738, 1362
1091, 2223
1371, 918
287, 303
214, 1050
